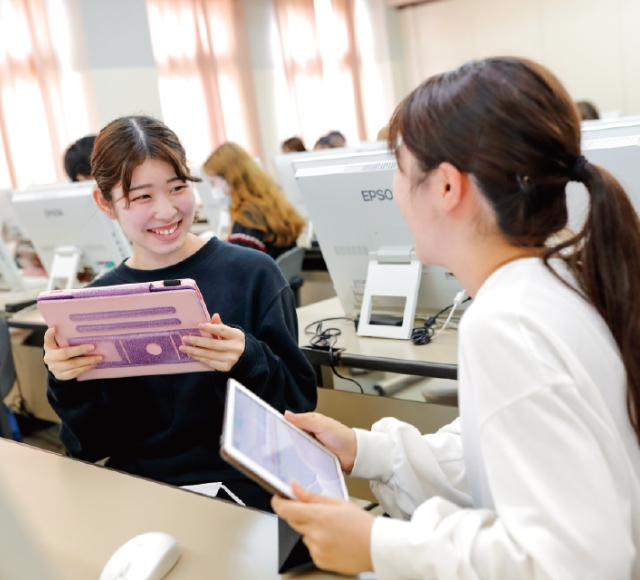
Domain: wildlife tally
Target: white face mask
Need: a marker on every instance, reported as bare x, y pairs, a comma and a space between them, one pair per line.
221, 197
218, 182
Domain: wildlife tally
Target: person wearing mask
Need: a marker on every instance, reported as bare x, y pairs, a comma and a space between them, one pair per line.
261, 216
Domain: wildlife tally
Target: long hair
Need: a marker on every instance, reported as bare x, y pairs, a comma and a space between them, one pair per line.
256, 201
512, 125
126, 143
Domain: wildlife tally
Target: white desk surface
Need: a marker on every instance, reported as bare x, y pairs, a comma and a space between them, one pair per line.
443, 350
79, 514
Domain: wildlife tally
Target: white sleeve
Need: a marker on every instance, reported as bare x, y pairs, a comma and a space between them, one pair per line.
562, 496
407, 468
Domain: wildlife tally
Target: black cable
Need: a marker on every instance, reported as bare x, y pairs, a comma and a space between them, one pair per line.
326, 339
423, 334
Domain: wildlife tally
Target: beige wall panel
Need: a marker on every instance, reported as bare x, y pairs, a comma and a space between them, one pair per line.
439, 37
581, 45
593, 46
506, 27
629, 24
125, 91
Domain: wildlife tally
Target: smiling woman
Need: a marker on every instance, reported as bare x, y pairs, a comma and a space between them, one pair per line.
168, 427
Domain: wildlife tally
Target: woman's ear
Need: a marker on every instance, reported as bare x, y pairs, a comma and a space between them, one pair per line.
103, 205
452, 186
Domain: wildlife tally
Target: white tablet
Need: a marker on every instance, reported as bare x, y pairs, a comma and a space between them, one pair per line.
258, 441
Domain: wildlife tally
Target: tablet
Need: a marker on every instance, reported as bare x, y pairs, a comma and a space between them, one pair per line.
137, 328
258, 441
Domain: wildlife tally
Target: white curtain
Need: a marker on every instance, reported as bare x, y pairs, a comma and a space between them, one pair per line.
204, 71
33, 134
322, 66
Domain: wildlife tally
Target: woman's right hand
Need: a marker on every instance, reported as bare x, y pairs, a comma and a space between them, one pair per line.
338, 438
67, 362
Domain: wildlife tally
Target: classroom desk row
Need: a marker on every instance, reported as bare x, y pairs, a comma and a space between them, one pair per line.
438, 359
77, 514
80, 513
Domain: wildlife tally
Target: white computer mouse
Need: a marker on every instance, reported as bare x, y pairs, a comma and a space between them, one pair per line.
148, 556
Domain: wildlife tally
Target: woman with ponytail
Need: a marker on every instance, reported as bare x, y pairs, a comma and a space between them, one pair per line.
539, 477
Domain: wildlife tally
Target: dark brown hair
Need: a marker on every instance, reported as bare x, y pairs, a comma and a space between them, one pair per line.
512, 125
126, 143
293, 144
587, 110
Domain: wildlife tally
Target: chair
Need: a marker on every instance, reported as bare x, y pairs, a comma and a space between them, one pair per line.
290, 264
7, 375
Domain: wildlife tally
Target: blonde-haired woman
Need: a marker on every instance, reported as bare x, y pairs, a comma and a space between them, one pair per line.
261, 216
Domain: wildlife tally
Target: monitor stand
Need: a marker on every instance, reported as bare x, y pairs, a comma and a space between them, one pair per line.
394, 271
64, 269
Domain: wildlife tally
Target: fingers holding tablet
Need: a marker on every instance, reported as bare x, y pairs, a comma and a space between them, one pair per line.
338, 438
221, 351
69, 362
337, 533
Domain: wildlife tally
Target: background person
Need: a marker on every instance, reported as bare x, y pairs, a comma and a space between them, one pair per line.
77, 159
587, 110
261, 216
293, 145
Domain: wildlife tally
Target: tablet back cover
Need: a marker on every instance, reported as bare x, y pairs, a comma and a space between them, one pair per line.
137, 328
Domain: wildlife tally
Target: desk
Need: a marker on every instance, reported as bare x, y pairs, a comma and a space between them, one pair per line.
438, 360
78, 514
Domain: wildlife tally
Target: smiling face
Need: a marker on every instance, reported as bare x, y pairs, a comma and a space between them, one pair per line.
157, 217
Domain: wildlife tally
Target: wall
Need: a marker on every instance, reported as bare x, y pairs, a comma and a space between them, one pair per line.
112, 51
593, 46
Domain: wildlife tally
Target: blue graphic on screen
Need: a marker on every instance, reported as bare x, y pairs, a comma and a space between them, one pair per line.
282, 451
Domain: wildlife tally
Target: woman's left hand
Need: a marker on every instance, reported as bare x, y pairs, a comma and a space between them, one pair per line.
337, 533
220, 351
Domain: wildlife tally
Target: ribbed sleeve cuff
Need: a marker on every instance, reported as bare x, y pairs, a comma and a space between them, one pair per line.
374, 456
246, 364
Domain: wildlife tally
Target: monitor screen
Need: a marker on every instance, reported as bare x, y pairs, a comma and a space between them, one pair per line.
274, 445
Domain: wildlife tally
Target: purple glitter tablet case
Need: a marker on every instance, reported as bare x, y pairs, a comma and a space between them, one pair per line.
137, 328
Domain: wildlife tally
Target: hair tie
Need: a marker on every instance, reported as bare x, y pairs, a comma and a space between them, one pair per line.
526, 184
577, 173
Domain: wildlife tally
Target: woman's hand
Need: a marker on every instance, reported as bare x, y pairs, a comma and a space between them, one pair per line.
67, 362
338, 438
337, 533
221, 351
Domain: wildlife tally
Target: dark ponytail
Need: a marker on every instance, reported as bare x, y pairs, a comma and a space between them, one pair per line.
512, 125
606, 264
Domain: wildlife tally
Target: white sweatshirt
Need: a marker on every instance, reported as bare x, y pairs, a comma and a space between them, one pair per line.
539, 477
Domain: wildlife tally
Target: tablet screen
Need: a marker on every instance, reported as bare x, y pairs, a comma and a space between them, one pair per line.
279, 449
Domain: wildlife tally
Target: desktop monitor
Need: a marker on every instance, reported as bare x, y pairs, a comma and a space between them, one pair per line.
64, 216
353, 213
287, 164
615, 148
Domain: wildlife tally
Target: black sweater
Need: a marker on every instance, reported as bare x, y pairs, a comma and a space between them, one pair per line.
168, 427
